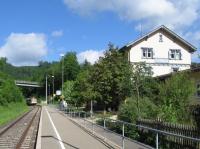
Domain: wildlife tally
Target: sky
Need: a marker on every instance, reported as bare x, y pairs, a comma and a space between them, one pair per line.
41, 30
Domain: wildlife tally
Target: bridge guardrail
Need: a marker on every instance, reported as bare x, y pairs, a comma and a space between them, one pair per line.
27, 82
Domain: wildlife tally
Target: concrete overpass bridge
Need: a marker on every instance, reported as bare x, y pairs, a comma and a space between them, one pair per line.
27, 83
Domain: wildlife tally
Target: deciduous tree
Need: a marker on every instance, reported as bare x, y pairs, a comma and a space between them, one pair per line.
71, 66
110, 77
175, 95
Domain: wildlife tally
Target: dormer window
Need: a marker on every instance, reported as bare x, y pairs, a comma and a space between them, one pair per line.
175, 54
147, 52
160, 38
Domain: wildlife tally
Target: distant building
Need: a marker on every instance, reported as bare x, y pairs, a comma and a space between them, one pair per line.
162, 49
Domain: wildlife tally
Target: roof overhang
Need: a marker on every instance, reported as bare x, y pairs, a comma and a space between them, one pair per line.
165, 30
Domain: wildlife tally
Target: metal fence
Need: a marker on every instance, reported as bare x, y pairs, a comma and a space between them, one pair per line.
172, 142
122, 134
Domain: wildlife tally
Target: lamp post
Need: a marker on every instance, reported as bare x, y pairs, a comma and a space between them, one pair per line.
48, 85
53, 83
91, 108
53, 88
62, 55
46, 88
49, 92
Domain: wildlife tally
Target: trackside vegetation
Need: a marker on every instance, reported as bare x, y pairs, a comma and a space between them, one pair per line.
11, 112
12, 103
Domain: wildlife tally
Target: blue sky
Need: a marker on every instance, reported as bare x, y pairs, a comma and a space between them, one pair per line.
34, 30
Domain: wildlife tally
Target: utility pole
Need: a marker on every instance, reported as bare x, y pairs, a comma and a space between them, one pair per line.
91, 108
62, 74
62, 59
53, 84
53, 88
46, 88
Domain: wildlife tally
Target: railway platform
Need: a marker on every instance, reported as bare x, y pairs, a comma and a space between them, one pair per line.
58, 132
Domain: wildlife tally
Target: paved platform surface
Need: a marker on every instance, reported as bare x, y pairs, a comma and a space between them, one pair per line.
57, 132
111, 136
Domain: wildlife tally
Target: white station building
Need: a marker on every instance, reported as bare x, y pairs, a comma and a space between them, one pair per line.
162, 49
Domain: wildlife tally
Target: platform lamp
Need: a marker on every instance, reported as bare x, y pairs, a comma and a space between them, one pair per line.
46, 88
53, 86
62, 59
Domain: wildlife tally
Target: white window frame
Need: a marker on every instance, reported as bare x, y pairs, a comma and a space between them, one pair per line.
147, 53
176, 54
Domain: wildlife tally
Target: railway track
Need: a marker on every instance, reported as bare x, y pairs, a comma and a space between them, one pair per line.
22, 133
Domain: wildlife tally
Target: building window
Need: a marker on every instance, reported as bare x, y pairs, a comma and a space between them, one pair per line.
160, 38
198, 90
147, 53
175, 54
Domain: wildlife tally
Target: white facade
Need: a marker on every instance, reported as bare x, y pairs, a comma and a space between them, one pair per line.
161, 55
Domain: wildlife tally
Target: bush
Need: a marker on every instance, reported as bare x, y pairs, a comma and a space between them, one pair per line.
128, 111
9, 92
175, 97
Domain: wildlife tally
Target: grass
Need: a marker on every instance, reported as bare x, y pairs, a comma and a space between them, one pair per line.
11, 112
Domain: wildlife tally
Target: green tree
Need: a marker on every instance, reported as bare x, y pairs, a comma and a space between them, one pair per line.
67, 91
110, 78
2, 63
85, 66
9, 92
71, 66
140, 76
83, 88
175, 95
128, 110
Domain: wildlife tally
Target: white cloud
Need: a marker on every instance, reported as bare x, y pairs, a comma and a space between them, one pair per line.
57, 33
90, 55
24, 49
172, 13
194, 38
179, 15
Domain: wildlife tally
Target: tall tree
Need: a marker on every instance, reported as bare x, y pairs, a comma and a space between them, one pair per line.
68, 89
2, 63
83, 89
71, 66
9, 92
111, 78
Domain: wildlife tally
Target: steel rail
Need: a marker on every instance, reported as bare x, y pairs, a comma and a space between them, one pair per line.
22, 139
